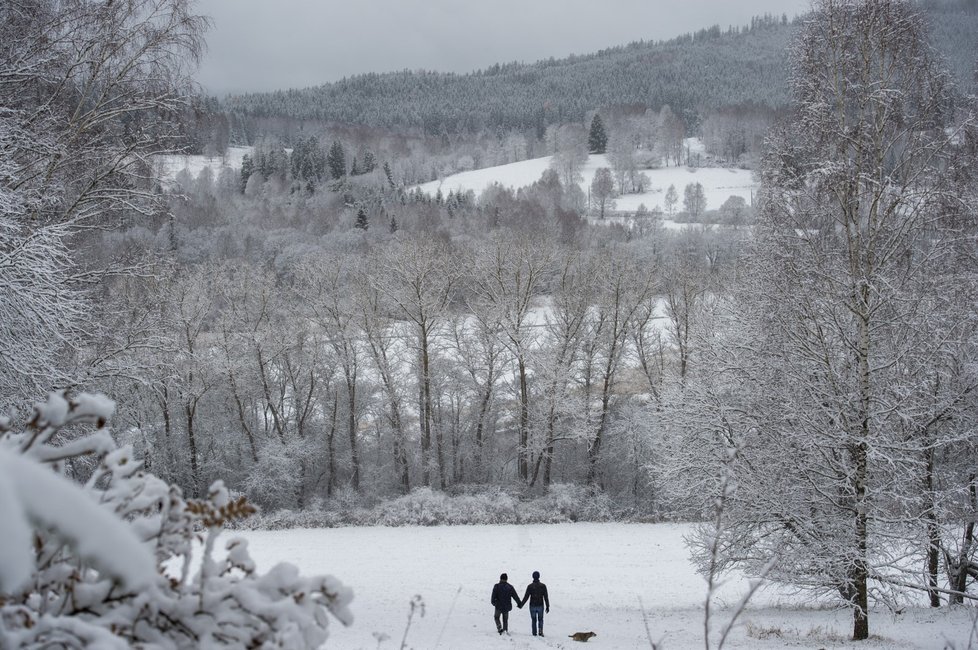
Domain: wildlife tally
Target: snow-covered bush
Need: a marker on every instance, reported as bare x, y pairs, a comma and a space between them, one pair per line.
273, 482
108, 564
424, 506
568, 502
285, 519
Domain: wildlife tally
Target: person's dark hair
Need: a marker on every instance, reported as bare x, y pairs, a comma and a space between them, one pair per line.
536, 575
503, 576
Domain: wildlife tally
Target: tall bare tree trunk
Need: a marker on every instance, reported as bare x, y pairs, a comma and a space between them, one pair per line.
933, 534
962, 564
524, 422
351, 393
425, 415
331, 448
860, 571
594, 451
189, 409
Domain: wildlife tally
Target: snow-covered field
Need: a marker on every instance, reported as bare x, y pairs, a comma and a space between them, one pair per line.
170, 166
719, 184
600, 577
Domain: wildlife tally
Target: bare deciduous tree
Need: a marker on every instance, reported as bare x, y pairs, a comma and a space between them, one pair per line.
89, 94
419, 278
509, 276
860, 296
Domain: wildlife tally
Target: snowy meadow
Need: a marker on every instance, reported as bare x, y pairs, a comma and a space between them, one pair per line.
719, 183
609, 578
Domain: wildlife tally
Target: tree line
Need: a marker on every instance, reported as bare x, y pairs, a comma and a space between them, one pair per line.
377, 365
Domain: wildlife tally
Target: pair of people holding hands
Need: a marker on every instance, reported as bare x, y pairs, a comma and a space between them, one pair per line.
536, 594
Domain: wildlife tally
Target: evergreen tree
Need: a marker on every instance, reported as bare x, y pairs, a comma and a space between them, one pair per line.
368, 164
336, 161
247, 169
389, 174
393, 224
597, 139
362, 222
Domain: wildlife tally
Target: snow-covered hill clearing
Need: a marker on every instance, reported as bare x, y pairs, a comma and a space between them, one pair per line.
600, 577
170, 166
719, 183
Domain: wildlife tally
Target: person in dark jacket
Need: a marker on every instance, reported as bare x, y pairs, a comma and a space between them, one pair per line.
536, 593
502, 592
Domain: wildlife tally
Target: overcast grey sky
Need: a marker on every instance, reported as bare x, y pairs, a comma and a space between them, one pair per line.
273, 44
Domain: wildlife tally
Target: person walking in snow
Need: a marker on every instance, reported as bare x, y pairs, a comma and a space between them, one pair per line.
502, 592
536, 593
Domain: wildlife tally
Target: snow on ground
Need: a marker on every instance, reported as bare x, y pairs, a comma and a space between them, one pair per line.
170, 166
514, 175
719, 183
597, 575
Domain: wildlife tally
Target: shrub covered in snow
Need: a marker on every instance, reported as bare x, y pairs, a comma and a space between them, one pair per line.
569, 502
426, 507
108, 564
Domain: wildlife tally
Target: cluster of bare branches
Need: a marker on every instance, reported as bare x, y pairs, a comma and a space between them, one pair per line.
89, 93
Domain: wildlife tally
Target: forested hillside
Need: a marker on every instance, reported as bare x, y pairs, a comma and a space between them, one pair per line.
694, 74
708, 69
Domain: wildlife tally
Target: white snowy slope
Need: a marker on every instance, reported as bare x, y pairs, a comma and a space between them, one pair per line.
719, 183
597, 574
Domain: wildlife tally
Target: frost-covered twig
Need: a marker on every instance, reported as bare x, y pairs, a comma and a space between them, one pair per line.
726, 490
416, 605
925, 588
742, 604
448, 616
645, 621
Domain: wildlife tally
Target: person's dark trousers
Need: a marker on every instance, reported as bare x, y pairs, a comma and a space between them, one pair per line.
536, 618
505, 623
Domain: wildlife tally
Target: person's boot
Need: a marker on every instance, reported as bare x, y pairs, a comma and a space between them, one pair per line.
541, 631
